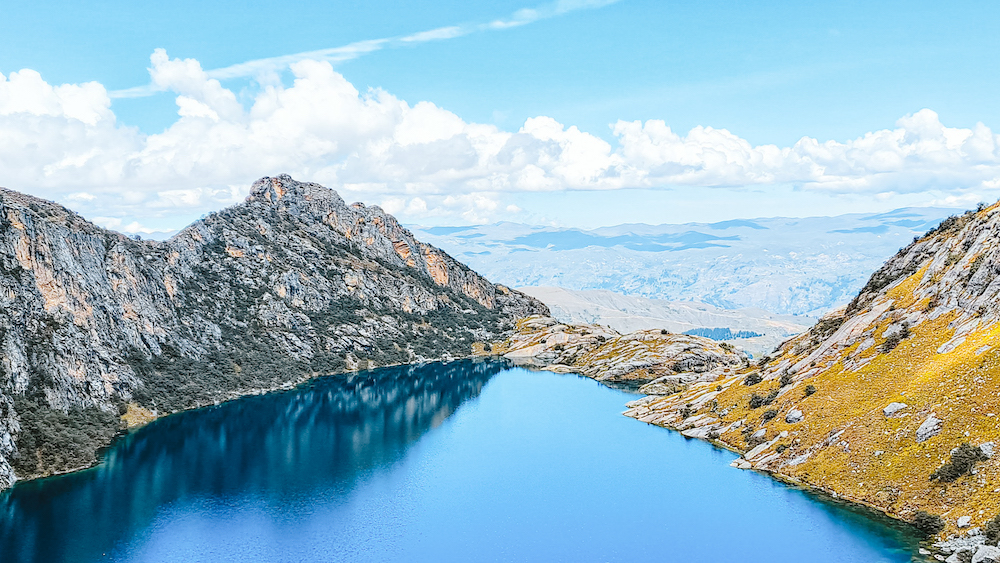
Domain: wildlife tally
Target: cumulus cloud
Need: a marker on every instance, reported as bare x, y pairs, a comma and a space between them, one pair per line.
420, 160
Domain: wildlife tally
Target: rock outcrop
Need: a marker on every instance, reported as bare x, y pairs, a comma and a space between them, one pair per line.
879, 396
650, 360
287, 285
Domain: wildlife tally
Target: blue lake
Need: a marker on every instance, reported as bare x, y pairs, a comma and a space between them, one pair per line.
465, 461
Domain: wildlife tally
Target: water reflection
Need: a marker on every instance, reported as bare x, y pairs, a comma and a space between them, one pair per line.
286, 450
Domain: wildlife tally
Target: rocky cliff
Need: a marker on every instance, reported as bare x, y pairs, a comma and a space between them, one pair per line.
892, 401
96, 327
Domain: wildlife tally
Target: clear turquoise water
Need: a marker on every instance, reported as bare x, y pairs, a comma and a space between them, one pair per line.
457, 462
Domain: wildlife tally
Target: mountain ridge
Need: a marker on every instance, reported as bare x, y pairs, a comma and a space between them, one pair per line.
289, 284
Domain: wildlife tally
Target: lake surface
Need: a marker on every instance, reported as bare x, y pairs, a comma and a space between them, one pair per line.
465, 461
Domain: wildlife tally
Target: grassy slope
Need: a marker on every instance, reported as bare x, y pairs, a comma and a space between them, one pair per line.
875, 459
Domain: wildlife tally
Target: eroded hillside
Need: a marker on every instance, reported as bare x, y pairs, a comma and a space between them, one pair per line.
287, 285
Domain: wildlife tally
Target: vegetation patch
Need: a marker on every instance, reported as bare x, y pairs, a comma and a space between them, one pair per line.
962, 461
55, 441
992, 530
926, 523
757, 401
895, 338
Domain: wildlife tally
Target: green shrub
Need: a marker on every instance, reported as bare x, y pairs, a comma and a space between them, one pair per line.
786, 379
757, 401
992, 530
752, 379
810, 389
926, 523
963, 459
768, 415
890, 343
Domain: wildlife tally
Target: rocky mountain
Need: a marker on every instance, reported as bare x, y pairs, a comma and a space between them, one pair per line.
287, 285
789, 266
891, 401
753, 330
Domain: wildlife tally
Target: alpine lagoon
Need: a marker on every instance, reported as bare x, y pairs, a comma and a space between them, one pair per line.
460, 461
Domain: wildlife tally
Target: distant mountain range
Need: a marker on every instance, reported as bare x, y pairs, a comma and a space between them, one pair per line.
754, 330
803, 266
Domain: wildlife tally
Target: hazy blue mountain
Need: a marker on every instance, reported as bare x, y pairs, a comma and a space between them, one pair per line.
802, 266
751, 329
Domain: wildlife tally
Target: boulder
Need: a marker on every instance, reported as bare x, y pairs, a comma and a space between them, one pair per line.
987, 554
930, 427
793, 416
988, 448
893, 408
964, 521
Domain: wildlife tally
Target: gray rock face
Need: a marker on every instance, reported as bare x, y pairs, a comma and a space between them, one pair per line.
964, 521
988, 449
289, 284
930, 427
987, 554
893, 408
793, 416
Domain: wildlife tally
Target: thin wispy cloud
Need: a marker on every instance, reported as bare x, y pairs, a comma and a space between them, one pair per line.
351, 51
436, 34
525, 16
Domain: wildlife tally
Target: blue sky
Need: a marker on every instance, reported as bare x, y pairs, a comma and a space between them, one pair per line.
768, 73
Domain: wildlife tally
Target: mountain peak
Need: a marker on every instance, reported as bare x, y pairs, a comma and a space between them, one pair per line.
287, 190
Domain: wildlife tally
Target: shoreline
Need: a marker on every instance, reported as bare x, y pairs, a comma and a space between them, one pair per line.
824, 494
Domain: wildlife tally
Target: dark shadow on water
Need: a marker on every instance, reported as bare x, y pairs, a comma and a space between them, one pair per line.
316, 441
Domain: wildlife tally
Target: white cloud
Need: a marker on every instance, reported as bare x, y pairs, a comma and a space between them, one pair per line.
438, 34
63, 142
559, 7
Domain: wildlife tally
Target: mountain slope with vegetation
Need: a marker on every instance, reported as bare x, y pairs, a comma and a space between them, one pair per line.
291, 283
892, 401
